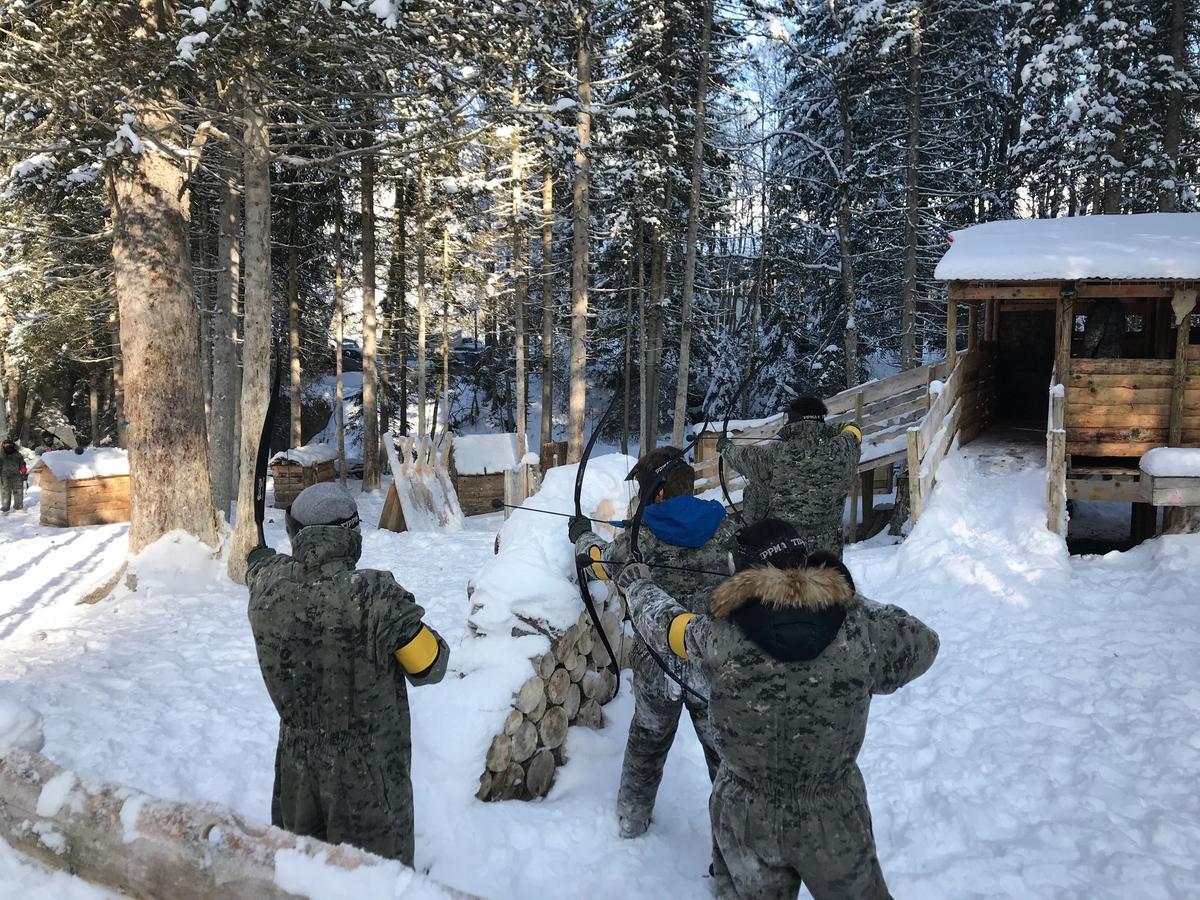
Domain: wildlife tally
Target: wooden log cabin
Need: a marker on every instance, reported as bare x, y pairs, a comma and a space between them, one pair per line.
478, 464
89, 488
1093, 327
295, 469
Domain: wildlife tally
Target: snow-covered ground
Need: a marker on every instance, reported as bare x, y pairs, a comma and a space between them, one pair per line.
1050, 752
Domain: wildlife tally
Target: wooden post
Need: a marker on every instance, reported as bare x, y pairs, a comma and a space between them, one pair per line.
1064, 328
1056, 465
867, 492
1183, 304
854, 488
973, 327
951, 330
915, 500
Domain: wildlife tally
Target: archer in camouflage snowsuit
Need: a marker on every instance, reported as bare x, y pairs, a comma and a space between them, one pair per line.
335, 645
682, 531
803, 477
793, 656
12, 476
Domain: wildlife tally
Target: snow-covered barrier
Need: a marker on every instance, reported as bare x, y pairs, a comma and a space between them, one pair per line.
143, 846
529, 589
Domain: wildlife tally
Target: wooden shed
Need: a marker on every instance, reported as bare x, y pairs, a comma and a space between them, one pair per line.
89, 488
478, 466
295, 469
1094, 334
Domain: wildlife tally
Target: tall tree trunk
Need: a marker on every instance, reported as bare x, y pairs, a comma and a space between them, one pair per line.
1168, 199
548, 298
152, 279
580, 221
221, 448
846, 253
256, 328
627, 405
445, 330
370, 411
519, 283
912, 197
643, 341
393, 299
693, 226
293, 296
339, 332
422, 307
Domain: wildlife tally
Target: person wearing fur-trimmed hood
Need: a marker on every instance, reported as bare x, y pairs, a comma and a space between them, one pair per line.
793, 654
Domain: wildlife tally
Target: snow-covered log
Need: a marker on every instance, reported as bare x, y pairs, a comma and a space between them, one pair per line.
143, 846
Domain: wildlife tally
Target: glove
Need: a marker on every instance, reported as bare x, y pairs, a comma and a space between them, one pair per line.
577, 527
259, 554
630, 575
723, 443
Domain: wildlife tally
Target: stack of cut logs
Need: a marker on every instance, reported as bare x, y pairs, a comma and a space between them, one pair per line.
568, 686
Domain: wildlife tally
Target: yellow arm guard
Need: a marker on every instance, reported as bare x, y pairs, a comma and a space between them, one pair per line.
597, 557
675, 635
854, 430
419, 654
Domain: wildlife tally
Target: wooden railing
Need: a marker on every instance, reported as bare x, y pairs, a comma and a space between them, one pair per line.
1056, 458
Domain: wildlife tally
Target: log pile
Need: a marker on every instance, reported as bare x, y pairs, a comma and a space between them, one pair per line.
291, 478
569, 685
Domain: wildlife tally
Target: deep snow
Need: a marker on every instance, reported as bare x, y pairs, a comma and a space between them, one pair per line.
1050, 752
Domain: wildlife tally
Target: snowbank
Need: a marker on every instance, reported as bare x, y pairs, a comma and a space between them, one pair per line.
533, 575
307, 456
20, 727
484, 454
1172, 462
97, 462
1152, 245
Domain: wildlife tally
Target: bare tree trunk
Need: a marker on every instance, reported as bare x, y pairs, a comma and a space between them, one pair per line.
422, 307
387, 346
152, 280
693, 226
370, 411
445, 327
339, 333
548, 303
643, 343
221, 448
849, 290
118, 385
627, 410
580, 220
401, 348
256, 328
912, 199
519, 283
93, 407
293, 296
1168, 200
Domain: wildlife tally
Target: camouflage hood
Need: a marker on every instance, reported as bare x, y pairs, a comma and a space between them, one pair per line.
327, 549
791, 614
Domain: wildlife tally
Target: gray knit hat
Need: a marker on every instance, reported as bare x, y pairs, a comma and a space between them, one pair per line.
323, 504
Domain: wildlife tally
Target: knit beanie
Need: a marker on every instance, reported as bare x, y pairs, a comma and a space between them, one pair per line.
322, 504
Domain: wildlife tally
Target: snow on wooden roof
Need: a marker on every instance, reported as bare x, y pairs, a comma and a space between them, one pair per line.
97, 462
1150, 246
484, 454
311, 455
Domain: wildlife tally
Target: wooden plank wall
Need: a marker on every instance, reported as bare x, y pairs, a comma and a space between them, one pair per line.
476, 492
87, 501
1122, 407
290, 479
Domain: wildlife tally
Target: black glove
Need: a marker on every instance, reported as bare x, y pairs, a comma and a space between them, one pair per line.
259, 554
577, 527
630, 575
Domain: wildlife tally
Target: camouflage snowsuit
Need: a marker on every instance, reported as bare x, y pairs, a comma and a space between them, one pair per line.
327, 637
659, 700
12, 482
789, 805
803, 478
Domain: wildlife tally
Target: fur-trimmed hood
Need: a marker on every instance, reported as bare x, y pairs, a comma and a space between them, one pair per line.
816, 588
791, 614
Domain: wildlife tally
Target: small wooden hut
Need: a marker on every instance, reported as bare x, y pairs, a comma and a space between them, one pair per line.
1092, 319
89, 488
295, 469
478, 466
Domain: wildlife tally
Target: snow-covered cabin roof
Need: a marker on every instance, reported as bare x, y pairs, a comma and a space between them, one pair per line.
1149, 246
484, 454
306, 456
96, 462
